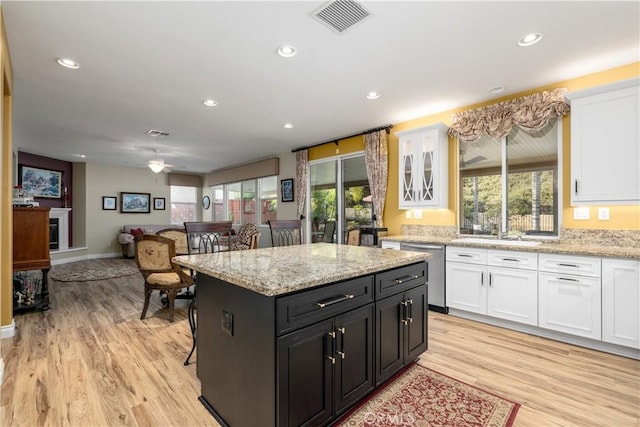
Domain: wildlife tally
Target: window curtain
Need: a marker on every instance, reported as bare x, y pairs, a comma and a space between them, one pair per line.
377, 161
302, 171
530, 113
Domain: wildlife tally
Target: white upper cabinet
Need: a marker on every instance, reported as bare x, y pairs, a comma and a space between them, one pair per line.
605, 144
423, 154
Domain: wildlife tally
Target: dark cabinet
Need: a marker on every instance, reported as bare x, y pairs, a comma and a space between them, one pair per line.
401, 330
327, 366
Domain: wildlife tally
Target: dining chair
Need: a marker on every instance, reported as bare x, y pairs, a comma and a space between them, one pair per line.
247, 238
285, 232
329, 230
353, 237
179, 236
154, 260
204, 237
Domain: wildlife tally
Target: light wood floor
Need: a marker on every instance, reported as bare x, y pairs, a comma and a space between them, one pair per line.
90, 361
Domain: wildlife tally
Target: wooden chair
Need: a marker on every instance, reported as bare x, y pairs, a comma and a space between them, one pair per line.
247, 238
353, 237
204, 237
329, 230
179, 236
153, 257
286, 232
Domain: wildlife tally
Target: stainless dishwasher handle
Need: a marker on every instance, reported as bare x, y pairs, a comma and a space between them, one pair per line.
324, 304
410, 245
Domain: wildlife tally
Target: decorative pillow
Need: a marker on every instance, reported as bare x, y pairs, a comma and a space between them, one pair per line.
137, 232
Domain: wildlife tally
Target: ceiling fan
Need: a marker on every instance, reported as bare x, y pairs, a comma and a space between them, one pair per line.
471, 161
157, 165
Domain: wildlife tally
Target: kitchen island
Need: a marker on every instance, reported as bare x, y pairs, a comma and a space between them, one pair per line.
300, 334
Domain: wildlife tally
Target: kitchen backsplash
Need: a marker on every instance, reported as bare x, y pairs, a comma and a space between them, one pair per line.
446, 231
622, 238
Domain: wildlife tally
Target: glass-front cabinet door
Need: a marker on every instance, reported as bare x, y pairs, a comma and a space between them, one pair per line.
423, 167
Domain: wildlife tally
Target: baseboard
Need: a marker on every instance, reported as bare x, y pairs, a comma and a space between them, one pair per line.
85, 257
8, 331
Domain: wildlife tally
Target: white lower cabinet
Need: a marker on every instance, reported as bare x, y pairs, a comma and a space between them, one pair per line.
569, 298
621, 302
505, 293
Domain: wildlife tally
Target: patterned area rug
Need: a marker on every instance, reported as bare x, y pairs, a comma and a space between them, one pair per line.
84, 271
422, 397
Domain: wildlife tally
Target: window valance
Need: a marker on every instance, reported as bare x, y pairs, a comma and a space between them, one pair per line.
530, 113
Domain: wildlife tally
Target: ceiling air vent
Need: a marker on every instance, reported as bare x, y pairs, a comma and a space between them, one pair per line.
340, 15
157, 133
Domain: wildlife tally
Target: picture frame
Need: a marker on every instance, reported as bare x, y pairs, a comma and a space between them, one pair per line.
286, 187
109, 203
40, 182
135, 202
158, 203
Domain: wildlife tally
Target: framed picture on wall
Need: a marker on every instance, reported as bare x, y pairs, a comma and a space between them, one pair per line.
40, 182
109, 203
286, 186
135, 202
158, 203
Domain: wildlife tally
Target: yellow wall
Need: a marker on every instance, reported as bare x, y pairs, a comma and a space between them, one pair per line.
622, 217
6, 178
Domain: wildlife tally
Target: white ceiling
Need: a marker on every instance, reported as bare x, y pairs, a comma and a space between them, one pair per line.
148, 65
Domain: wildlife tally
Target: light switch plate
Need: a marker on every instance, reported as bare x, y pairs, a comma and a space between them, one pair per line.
580, 213
603, 214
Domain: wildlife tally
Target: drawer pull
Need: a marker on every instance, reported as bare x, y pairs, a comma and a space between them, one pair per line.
324, 304
405, 279
465, 255
568, 265
511, 259
567, 279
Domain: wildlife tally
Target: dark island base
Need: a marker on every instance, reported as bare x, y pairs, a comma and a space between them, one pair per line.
212, 411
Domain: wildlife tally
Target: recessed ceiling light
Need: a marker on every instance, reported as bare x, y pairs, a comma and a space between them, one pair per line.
286, 51
68, 63
82, 156
287, 126
373, 95
530, 39
496, 90
209, 102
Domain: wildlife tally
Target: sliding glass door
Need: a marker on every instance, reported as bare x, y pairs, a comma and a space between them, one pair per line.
339, 198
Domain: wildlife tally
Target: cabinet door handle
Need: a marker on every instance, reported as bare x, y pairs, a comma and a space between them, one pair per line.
482, 278
405, 279
576, 186
330, 340
490, 279
341, 351
568, 279
324, 304
410, 310
403, 313
568, 265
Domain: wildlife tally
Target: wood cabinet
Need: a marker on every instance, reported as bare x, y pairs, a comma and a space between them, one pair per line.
423, 168
621, 302
569, 295
501, 284
605, 144
31, 250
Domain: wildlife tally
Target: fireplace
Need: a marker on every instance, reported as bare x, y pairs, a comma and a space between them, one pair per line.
62, 229
54, 238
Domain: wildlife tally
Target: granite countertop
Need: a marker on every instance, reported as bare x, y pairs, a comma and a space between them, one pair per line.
277, 271
558, 247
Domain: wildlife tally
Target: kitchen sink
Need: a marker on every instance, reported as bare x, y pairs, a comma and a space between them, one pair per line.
502, 242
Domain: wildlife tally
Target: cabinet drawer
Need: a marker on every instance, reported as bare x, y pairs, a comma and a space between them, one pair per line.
513, 259
400, 279
305, 308
467, 255
567, 264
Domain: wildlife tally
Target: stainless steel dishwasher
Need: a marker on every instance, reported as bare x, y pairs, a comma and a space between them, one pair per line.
436, 288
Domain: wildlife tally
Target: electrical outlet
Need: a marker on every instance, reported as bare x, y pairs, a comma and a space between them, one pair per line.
603, 214
580, 213
227, 323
